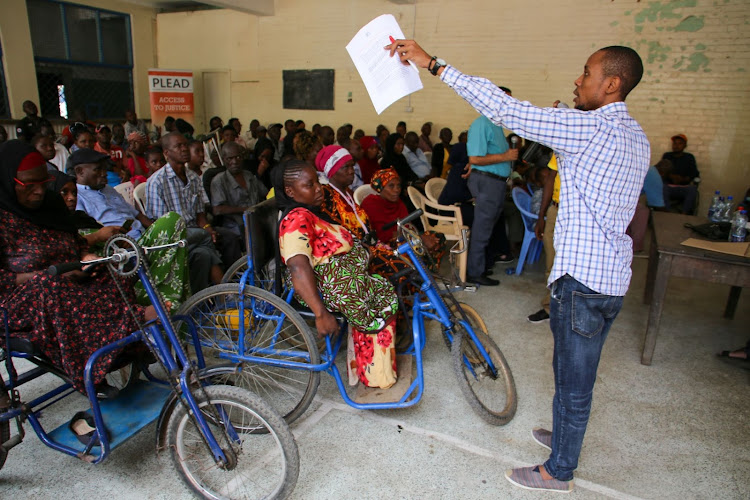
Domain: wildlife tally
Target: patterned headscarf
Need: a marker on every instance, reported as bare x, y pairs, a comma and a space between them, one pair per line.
382, 177
137, 136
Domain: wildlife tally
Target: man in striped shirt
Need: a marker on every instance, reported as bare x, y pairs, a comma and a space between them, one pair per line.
603, 156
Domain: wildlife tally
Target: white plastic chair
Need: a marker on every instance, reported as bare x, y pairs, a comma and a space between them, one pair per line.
139, 196
434, 187
363, 192
447, 220
126, 191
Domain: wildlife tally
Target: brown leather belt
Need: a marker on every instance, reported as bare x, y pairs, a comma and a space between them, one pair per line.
489, 174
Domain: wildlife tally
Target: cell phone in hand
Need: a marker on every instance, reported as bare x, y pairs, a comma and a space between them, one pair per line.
127, 225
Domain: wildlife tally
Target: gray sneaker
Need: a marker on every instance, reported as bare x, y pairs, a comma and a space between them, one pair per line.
543, 437
530, 478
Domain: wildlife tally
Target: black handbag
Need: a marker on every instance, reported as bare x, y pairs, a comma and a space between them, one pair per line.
717, 231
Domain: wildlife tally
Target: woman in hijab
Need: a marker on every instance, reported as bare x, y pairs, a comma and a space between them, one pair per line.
395, 159
328, 269
67, 317
368, 164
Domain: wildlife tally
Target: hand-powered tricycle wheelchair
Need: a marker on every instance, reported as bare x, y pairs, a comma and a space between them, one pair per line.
224, 441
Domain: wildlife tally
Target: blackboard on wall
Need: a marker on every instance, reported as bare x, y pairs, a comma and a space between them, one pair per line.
308, 89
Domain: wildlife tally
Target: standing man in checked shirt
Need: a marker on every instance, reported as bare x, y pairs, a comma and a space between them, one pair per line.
603, 156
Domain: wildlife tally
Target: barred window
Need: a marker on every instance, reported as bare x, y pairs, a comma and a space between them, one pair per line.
4, 108
83, 58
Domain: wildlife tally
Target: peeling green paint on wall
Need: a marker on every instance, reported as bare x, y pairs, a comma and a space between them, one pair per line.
657, 52
662, 10
698, 60
614, 23
690, 23
700, 46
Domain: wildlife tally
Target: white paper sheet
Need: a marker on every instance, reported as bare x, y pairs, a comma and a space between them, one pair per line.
386, 79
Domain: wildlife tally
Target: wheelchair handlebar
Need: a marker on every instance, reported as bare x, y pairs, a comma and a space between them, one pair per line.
58, 269
120, 256
414, 215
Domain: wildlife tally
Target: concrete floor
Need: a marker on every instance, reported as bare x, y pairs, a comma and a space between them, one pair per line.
677, 429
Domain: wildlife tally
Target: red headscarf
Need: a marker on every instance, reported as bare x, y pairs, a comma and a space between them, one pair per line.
366, 165
381, 211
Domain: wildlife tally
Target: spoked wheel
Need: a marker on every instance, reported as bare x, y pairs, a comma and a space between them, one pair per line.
263, 460
264, 277
273, 330
486, 381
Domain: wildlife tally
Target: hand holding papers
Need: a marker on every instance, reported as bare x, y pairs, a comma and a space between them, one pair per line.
387, 80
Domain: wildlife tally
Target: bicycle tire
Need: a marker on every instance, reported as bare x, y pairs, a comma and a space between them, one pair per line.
289, 391
266, 462
492, 396
4, 432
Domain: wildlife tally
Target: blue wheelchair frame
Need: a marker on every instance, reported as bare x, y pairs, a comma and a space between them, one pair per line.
428, 303
161, 336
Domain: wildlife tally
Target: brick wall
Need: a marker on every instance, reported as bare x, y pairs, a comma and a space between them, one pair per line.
696, 55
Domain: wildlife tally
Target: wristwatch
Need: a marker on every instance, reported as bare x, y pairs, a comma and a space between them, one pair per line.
437, 63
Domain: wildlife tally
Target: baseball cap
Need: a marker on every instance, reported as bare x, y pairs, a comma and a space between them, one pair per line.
680, 136
261, 128
102, 127
275, 125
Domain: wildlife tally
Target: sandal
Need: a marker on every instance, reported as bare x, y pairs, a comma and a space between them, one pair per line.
83, 427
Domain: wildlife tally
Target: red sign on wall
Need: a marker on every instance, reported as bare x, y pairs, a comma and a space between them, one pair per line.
171, 95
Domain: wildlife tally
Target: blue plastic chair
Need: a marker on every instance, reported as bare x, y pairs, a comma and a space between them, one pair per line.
531, 249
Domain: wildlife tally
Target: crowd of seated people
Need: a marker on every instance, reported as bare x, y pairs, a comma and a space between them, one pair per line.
199, 193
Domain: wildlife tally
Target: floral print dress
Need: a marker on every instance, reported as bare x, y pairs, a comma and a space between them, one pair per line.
367, 301
65, 319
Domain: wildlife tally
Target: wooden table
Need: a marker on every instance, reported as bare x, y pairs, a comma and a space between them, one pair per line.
669, 258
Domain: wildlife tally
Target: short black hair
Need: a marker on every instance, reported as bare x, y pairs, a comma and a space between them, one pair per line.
228, 128
155, 149
401, 124
232, 120
624, 63
169, 119
505, 89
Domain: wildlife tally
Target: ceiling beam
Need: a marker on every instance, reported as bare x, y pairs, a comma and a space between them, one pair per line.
257, 7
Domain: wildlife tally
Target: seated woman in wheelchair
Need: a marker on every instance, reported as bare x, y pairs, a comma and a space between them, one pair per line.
328, 269
66, 317
337, 165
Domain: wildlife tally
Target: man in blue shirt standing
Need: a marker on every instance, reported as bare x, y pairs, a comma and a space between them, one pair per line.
490, 165
603, 156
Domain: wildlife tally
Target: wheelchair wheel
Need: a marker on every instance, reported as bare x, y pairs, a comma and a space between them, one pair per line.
490, 393
263, 460
271, 326
264, 278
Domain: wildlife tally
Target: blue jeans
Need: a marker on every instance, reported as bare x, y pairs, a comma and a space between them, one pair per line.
580, 320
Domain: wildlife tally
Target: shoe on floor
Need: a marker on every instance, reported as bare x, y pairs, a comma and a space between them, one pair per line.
105, 391
530, 478
505, 259
482, 280
543, 437
538, 317
488, 272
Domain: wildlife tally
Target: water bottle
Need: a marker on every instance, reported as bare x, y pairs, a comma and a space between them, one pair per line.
718, 210
712, 208
726, 214
739, 226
